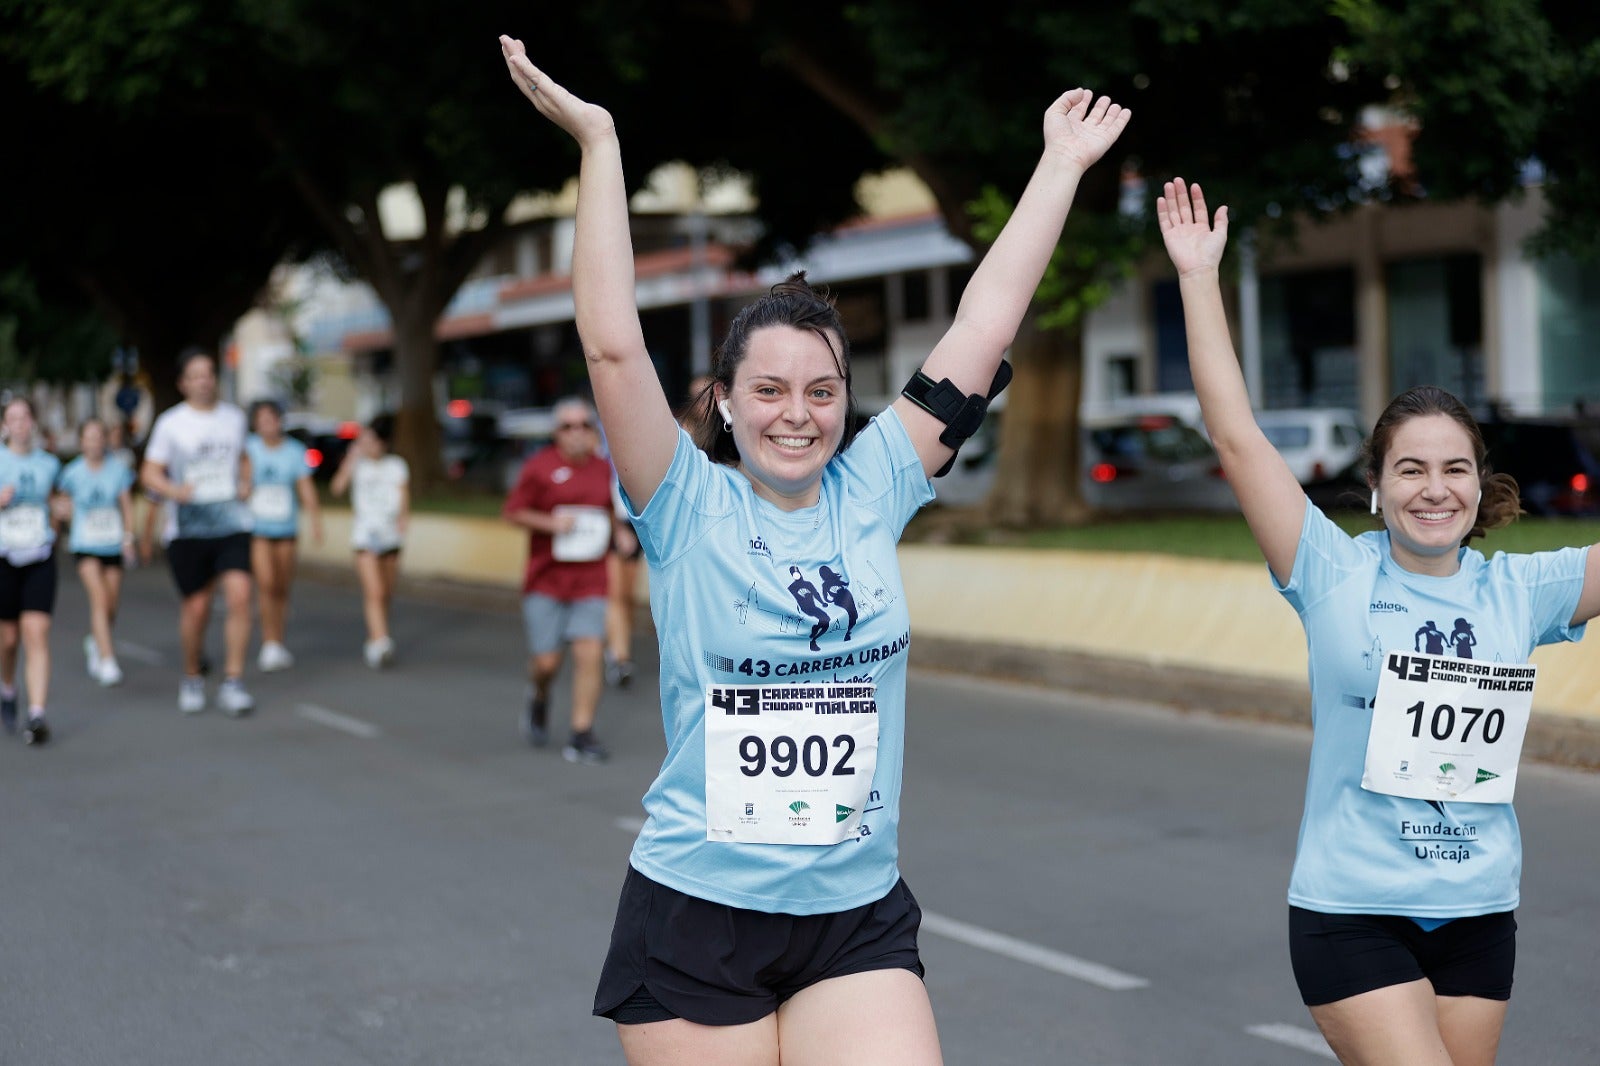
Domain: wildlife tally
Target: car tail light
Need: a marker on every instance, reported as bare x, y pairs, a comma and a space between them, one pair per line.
313, 457
458, 408
1318, 471
1102, 473
1580, 482
349, 430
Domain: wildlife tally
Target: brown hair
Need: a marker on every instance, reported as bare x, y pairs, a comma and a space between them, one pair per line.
1501, 501
791, 302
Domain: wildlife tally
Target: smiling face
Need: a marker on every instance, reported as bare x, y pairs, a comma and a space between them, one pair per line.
789, 406
1429, 488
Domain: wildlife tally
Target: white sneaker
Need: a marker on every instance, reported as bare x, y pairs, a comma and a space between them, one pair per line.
192, 695
234, 700
108, 673
91, 655
274, 656
379, 653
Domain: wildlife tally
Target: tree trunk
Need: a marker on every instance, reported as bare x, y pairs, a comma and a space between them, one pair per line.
416, 360
1037, 474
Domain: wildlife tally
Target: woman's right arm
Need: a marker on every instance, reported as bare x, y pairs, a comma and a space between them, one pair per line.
640, 429
1269, 494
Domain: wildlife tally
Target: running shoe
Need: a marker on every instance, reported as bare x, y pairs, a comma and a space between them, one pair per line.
91, 656
8, 712
379, 653
274, 656
108, 672
36, 732
535, 719
619, 672
192, 695
584, 748
233, 698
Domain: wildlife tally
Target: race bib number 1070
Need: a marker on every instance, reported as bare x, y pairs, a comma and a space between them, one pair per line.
789, 764
1448, 729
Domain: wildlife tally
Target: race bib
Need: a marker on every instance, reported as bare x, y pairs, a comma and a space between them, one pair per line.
789, 764
272, 503
213, 480
1448, 729
588, 538
100, 528
24, 526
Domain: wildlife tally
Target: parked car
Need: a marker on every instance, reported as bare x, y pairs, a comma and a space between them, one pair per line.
1556, 461
1151, 462
326, 440
1319, 443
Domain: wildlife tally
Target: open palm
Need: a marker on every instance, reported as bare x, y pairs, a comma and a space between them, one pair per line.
1081, 127
1193, 242
583, 120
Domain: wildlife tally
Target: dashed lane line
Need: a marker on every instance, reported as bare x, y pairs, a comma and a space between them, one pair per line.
334, 720
1293, 1036
1000, 944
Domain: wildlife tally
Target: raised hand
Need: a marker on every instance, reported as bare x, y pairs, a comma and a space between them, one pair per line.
1193, 242
1081, 128
586, 122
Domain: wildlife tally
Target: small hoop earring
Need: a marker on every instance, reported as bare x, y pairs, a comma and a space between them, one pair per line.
727, 427
1374, 501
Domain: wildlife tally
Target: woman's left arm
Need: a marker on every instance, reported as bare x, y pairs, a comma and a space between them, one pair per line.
1076, 134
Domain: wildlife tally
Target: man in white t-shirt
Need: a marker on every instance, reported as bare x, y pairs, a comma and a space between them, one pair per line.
196, 461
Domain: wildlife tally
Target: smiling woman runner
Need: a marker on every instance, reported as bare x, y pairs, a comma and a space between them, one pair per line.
763, 915
99, 485
1401, 928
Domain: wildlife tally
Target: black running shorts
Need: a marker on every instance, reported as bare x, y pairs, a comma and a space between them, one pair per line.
196, 561
677, 956
1337, 956
27, 588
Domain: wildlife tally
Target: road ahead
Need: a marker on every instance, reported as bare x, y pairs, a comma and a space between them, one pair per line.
374, 869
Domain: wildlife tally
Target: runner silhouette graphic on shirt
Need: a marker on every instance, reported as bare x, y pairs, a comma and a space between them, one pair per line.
807, 598
836, 590
1463, 638
1435, 637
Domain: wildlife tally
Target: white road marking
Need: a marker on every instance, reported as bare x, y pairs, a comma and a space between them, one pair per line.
1033, 954
127, 649
988, 940
334, 720
1295, 1037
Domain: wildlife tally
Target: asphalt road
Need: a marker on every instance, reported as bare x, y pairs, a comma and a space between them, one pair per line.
375, 869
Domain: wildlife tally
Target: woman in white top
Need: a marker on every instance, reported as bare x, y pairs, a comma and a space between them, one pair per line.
379, 484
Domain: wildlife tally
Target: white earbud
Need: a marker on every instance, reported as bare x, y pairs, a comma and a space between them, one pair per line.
727, 415
1374, 501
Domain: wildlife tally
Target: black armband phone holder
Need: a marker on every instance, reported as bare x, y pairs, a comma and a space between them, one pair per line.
962, 413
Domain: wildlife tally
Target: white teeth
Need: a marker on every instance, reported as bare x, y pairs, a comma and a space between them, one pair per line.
792, 442
1433, 516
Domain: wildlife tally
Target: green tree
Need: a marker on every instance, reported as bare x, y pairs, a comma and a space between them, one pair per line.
350, 99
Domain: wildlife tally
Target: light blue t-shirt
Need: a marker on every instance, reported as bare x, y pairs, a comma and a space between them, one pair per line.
279, 470
728, 610
93, 493
1366, 852
27, 533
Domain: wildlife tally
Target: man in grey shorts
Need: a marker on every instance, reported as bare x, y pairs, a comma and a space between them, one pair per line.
563, 499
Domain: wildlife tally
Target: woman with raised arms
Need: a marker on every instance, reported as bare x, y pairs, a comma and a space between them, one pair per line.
1401, 925
763, 917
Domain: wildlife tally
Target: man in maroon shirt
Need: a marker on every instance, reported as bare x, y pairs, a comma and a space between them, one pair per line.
563, 498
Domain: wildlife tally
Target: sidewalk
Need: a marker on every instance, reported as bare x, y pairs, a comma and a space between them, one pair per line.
1197, 634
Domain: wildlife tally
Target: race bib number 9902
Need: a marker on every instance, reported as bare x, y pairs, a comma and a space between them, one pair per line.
789, 764
1448, 729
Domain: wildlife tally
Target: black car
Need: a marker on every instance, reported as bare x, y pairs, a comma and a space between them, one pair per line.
1556, 462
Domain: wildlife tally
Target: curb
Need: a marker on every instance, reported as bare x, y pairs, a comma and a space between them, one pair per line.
1559, 739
